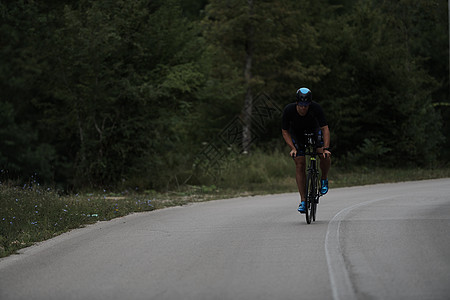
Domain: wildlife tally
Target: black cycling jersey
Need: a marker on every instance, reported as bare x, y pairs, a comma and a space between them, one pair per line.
297, 125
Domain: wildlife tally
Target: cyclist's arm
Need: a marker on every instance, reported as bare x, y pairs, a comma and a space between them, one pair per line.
288, 139
326, 138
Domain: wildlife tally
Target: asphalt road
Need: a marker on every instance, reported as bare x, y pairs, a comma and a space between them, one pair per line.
389, 241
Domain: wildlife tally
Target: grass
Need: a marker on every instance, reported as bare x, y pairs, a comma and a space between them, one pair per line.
364, 176
31, 213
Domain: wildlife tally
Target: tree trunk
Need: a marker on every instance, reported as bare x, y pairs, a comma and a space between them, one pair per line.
248, 103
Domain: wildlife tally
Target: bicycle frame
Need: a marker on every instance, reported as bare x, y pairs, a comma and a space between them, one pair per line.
312, 179
312, 153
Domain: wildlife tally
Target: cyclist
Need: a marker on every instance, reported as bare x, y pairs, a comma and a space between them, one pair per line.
298, 118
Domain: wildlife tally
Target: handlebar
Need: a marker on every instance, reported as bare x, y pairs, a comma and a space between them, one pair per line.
311, 145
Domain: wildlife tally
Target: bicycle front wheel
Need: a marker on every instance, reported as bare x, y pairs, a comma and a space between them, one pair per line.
314, 196
310, 195
313, 209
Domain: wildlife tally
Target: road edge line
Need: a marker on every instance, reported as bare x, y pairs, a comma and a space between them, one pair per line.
341, 285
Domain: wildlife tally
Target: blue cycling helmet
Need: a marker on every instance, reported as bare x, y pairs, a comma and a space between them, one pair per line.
304, 96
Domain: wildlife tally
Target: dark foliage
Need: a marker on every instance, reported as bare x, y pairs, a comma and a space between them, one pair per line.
117, 93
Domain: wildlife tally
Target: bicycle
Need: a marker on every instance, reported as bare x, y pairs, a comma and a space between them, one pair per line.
312, 179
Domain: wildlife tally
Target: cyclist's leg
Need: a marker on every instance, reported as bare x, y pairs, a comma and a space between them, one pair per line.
300, 175
325, 165
325, 162
300, 169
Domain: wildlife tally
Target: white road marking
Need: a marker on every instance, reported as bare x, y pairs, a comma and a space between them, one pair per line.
341, 285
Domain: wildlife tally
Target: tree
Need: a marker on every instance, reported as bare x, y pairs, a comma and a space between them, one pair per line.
272, 43
23, 35
378, 89
422, 27
120, 69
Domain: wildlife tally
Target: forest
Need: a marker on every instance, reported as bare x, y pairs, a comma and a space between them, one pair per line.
153, 93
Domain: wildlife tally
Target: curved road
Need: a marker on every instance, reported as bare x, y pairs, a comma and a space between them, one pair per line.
389, 241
